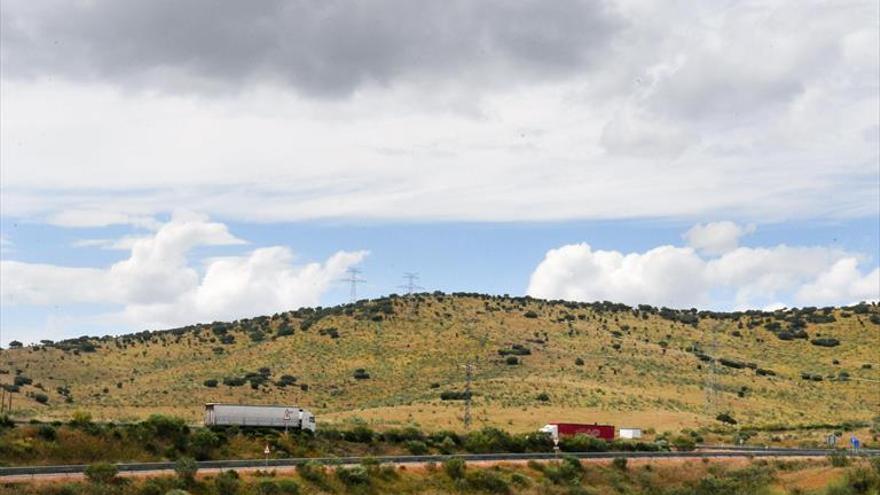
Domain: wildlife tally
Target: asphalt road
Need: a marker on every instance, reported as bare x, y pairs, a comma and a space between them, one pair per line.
35, 472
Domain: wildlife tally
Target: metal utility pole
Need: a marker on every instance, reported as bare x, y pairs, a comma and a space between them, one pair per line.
354, 279
411, 286
712, 373
469, 375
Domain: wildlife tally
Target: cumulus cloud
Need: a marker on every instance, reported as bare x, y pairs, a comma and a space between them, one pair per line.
158, 287
716, 237
682, 277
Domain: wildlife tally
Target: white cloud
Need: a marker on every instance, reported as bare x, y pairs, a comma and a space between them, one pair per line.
716, 237
157, 286
842, 281
680, 277
755, 111
101, 218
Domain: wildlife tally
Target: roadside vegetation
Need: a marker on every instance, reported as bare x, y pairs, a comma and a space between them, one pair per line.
566, 476
163, 438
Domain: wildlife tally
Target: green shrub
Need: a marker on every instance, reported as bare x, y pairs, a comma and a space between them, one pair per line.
359, 434
487, 481
288, 487
582, 443
683, 443
314, 473
825, 342
520, 480
455, 467
578, 362
203, 442
41, 398
619, 463
569, 471
210, 383
101, 473
227, 483
186, 469
511, 360
416, 447
447, 446
543, 397
21, 381
47, 432
353, 476
267, 487
726, 418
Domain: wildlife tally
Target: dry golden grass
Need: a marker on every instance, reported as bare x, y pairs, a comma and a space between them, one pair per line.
639, 384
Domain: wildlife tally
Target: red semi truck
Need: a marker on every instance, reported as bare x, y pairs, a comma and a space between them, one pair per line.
560, 430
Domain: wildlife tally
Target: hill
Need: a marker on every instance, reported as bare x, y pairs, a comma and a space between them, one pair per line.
394, 360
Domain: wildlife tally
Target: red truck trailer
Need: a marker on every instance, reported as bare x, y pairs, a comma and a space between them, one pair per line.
559, 430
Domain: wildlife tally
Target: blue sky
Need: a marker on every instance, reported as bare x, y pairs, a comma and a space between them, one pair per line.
163, 163
495, 258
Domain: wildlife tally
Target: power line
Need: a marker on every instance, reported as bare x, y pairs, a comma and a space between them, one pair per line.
353, 279
469, 376
411, 286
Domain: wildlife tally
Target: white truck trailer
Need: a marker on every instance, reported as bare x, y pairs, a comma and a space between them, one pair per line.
257, 415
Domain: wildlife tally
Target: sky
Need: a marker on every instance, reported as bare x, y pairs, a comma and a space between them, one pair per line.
170, 162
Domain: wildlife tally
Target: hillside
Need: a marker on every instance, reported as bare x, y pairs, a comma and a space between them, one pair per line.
534, 361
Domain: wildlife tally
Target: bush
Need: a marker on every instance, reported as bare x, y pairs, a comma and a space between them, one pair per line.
454, 395
21, 381
361, 374
41, 398
288, 487
416, 447
101, 473
80, 419
619, 463
543, 397
186, 469
825, 342
730, 363
353, 476
578, 362
455, 467
314, 473
233, 381
512, 360
211, 383
203, 442
684, 444
359, 434
726, 418
227, 483
530, 314
47, 433
569, 471
583, 443
487, 481
267, 487
447, 445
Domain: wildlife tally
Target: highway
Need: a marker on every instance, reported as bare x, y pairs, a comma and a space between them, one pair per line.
24, 473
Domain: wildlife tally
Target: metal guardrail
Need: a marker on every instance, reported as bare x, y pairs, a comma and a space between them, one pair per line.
406, 459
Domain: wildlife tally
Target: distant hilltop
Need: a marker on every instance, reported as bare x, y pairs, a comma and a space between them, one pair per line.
399, 359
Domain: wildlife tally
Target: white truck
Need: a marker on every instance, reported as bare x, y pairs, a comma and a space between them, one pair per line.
258, 415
